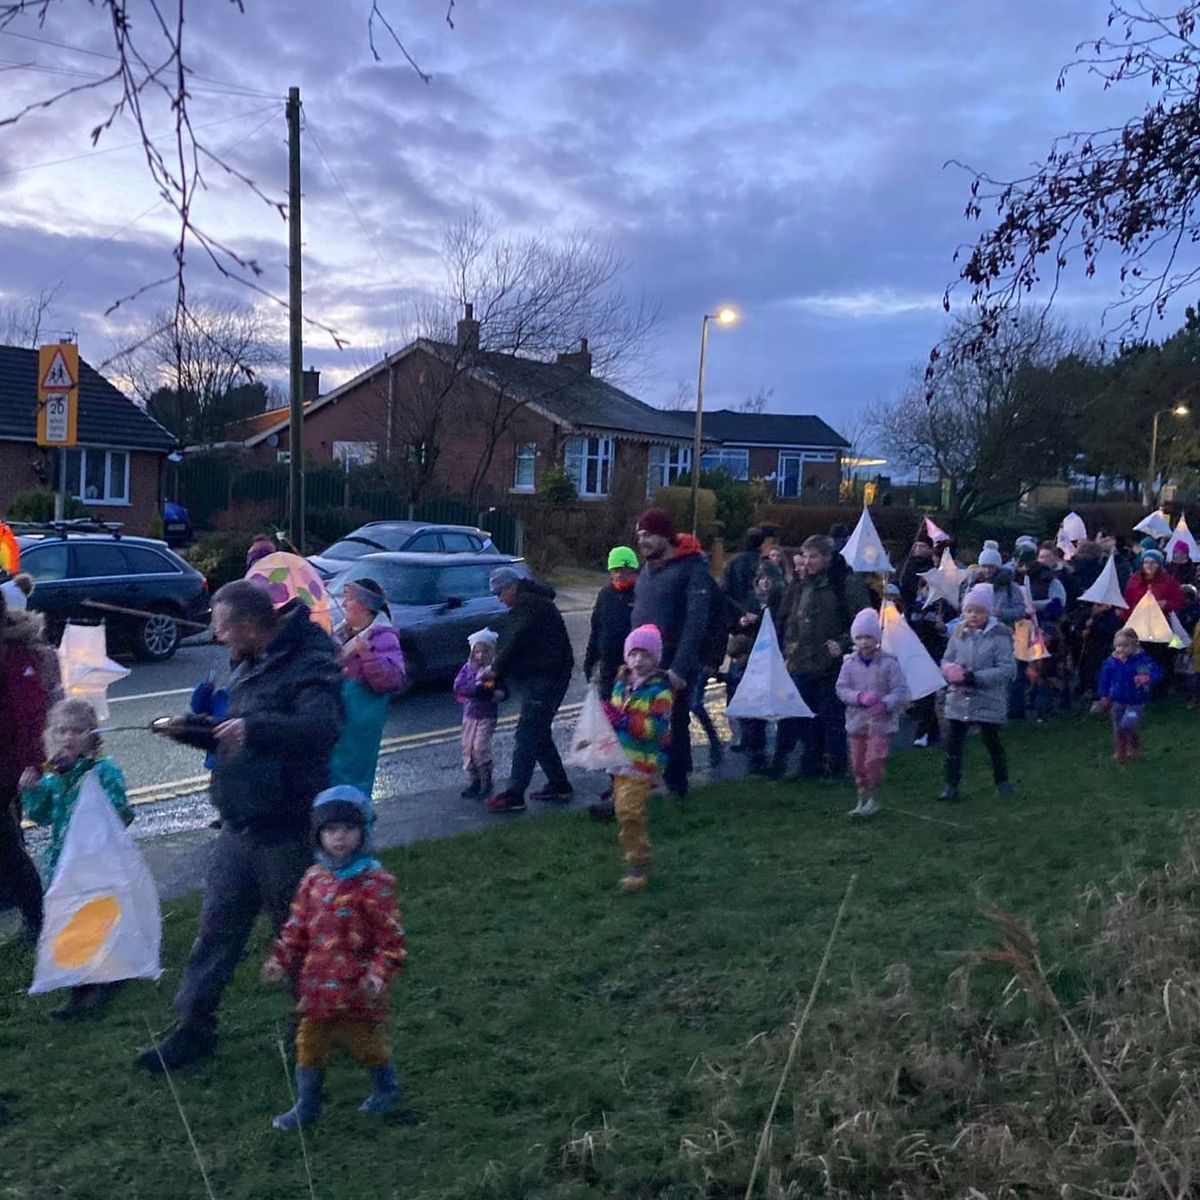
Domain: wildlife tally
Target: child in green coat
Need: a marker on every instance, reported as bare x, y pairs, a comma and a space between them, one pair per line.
72, 751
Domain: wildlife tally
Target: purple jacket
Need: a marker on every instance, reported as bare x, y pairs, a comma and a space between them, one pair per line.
374, 657
480, 704
883, 677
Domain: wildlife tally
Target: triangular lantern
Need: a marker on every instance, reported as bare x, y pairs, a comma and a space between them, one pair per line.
1107, 588
935, 532
766, 692
1065, 544
944, 581
922, 676
1181, 533
1073, 527
1155, 525
1182, 639
1149, 621
102, 914
863, 550
87, 671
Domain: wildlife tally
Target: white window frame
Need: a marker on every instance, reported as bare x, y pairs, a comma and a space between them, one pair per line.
581, 453
78, 484
355, 454
665, 464
715, 460
797, 457
525, 455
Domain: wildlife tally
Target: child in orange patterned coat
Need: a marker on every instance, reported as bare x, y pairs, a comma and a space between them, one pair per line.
341, 945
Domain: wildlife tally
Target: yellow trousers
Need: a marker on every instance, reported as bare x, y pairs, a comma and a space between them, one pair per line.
630, 793
366, 1041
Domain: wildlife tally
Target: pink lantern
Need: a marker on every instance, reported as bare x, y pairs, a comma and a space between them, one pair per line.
290, 577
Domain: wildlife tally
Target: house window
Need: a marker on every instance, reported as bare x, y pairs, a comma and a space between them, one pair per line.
354, 454
667, 463
523, 467
736, 462
588, 460
789, 482
98, 476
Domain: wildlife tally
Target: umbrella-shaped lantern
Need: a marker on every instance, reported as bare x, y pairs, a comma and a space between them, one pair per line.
290, 577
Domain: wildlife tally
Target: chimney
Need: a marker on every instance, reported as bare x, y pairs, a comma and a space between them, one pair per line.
468, 330
310, 387
580, 359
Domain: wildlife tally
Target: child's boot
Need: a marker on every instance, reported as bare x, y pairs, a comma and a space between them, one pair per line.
1133, 740
309, 1082
474, 788
636, 879
858, 807
1120, 747
485, 780
867, 808
386, 1091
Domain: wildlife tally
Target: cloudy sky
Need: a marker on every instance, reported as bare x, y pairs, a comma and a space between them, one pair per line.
785, 156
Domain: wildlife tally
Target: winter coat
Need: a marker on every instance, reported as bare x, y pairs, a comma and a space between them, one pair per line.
534, 643
478, 699
611, 623
879, 674
29, 685
51, 801
740, 574
816, 610
674, 593
1096, 643
909, 580
340, 931
1117, 679
1182, 573
988, 654
641, 717
1165, 587
290, 700
374, 656
1009, 599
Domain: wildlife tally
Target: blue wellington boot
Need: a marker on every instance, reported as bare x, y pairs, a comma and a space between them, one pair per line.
385, 1090
309, 1081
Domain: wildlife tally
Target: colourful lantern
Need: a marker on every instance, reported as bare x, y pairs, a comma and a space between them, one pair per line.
10, 552
290, 577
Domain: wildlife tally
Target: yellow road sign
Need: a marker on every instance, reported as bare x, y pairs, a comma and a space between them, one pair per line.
58, 394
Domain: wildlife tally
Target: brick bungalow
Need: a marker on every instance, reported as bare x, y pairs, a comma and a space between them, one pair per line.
798, 455
116, 469
487, 425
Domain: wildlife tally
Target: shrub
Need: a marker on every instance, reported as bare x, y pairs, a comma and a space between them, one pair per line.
327, 525
557, 487
248, 516
37, 506
156, 527
678, 502
221, 556
548, 554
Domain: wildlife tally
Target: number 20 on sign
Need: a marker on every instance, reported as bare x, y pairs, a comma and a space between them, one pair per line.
58, 394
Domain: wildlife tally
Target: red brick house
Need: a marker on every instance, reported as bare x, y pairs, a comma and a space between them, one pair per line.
477, 424
798, 455
116, 470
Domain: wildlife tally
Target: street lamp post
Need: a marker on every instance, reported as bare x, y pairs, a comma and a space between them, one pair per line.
725, 316
1178, 410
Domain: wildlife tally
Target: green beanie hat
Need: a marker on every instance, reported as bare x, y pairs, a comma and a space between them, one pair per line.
622, 556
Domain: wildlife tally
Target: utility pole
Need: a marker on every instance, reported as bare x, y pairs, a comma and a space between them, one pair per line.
295, 331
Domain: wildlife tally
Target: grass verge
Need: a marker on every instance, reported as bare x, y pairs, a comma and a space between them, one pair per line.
563, 1041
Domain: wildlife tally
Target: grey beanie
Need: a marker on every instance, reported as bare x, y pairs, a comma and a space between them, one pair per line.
501, 577
990, 556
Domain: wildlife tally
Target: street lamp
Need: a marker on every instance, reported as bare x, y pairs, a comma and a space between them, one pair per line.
723, 316
1178, 410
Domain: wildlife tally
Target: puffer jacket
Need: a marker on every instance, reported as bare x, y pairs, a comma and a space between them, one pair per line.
674, 593
534, 643
880, 674
988, 654
374, 657
817, 610
291, 702
1118, 679
1165, 588
29, 685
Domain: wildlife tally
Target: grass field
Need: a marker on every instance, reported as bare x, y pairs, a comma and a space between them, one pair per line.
560, 1040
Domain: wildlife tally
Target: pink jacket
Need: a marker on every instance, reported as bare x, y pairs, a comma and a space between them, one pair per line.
374, 656
881, 676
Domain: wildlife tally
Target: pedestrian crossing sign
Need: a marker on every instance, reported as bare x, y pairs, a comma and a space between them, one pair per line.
58, 394
58, 376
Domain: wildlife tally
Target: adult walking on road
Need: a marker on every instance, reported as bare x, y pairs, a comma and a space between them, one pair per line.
533, 659
29, 686
815, 618
273, 750
372, 672
674, 593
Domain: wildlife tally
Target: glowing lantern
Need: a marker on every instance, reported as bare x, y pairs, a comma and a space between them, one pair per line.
10, 552
290, 577
87, 671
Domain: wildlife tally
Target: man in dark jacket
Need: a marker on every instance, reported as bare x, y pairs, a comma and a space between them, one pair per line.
533, 658
673, 592
611, 621
272, 758
742, 570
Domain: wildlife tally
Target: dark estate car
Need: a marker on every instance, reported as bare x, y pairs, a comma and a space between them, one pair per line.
70, 566
415, 537
436, 601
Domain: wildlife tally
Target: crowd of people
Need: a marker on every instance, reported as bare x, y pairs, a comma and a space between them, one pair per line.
293, 736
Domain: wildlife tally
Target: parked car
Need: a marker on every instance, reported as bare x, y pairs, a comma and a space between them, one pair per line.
416, 537
177, 525
435, 601
77, 561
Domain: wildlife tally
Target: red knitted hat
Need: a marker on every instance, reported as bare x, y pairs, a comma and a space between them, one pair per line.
658, 522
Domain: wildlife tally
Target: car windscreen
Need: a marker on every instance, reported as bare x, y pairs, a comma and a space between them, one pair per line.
402, 583
351, 547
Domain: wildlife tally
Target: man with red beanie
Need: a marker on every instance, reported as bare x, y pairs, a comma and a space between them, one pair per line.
673, 592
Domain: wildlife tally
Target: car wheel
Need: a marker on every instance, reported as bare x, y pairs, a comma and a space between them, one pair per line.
157, 637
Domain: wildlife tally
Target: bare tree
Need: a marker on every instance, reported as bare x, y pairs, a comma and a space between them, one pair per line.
683, 399
23, 321
756, 403
994, 422
195, 374
1130, 189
